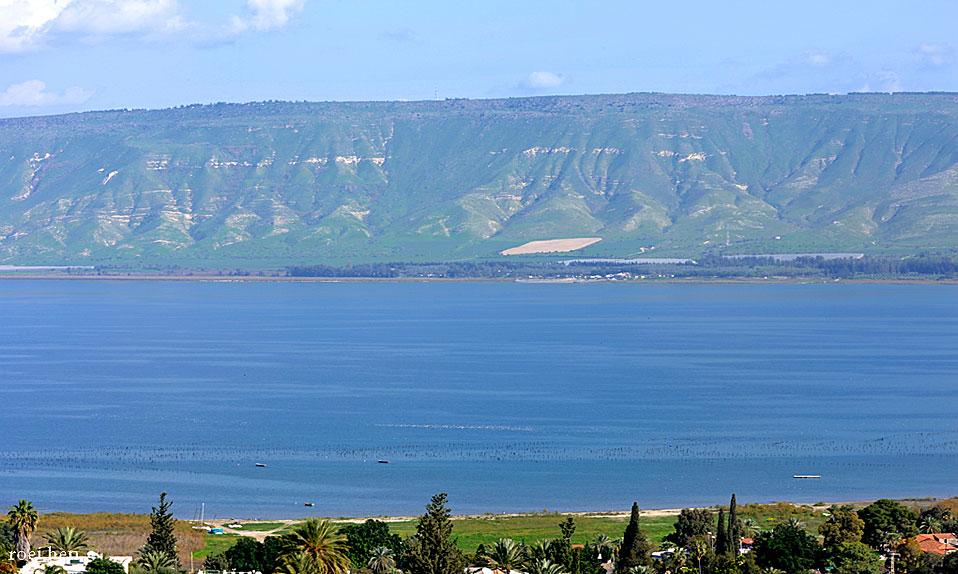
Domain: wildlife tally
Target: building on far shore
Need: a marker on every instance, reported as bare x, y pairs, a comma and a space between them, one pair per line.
939, 543
73, 563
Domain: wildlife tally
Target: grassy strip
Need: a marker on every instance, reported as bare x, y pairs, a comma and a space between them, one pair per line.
216, 544
260, 526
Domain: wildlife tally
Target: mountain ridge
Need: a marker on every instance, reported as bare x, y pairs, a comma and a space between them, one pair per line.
297, 182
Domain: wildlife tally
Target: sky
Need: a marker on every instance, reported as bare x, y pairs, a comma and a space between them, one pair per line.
61, 56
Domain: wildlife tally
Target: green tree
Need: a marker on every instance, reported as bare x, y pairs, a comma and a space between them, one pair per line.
690, 523
506, 554
218, 563
727, 563
786, 547
721, 534
853, 558
8, 539
67, 539
544, 566
884, 519
700, 550
247, 555
560, 551
433, 550
296, 563
911, 559
734, 528
162, 539
636, 549
936, 519
54, 569
843, 525
605, 547
320, 543
24, 519
361, 539
155, 562
537, 551
948, 565
104, 565
382, 560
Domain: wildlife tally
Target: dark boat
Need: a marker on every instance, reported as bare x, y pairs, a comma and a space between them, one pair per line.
383, 461
309, 504
260, 465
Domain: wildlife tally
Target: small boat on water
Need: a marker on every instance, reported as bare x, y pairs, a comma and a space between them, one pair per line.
260, 465
310, 504
806, 476
383, 461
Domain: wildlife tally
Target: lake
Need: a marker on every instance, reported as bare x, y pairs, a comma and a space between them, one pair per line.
510, 397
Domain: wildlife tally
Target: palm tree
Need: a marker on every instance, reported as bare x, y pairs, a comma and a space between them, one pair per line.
296, 563
538, 550
381, 560
24, 519
153, 562
605, 547
66, 539
929, 525
748, 527
54, 569
505, 555
544, 566
698, 548
320, 543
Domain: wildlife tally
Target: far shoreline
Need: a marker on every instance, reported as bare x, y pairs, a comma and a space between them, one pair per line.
214, 278
819, 505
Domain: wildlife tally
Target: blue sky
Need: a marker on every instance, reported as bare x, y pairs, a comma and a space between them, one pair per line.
69, 55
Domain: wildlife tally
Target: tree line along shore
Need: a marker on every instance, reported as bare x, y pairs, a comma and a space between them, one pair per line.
879, 537
920, 267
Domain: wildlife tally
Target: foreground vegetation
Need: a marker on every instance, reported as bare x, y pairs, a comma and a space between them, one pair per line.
782, 538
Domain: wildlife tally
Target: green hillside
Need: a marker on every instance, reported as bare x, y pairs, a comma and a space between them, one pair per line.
281, 183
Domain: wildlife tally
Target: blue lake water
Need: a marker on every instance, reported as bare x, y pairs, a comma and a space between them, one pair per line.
511, 397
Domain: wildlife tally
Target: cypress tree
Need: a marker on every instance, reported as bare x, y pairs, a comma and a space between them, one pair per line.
721, 536
734, 528
636, 549
562, 553
162, 539
433, 550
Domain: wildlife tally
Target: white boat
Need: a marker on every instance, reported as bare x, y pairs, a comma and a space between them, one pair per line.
812, 476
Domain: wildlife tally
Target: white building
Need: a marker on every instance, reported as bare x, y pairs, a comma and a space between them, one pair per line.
73, 563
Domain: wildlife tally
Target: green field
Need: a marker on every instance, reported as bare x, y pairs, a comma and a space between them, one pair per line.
260, 526
215, 544
472, 531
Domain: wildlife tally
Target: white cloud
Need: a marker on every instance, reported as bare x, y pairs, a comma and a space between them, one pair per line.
818, 58
34, 93
543, 80
23, 23
111, 17
267, 14
27, 24
936, 55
